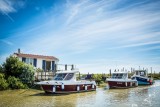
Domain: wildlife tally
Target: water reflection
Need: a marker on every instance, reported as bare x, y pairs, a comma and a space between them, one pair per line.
133, 97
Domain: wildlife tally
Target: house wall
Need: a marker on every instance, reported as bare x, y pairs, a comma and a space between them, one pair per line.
20, 58
39, 63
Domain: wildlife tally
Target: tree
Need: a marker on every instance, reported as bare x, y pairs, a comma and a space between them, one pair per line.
27, 74
1, 69
98, 78
3, 82
13, 67
15, 83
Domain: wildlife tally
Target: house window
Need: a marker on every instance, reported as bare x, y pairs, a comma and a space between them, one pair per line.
29, 61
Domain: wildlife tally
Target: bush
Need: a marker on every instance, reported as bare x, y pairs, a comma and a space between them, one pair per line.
3, 82
14, 67
1, 69
15, 83
98, 78
27, 74
16, 74
39, 70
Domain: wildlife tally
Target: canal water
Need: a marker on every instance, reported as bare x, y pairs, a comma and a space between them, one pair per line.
143, 96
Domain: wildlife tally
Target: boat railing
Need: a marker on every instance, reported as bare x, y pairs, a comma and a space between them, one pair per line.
41, 76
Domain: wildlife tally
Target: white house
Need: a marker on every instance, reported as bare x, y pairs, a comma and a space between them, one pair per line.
46, 63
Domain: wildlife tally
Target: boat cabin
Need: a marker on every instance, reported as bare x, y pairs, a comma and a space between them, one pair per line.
141, 72
119, 75
62, 76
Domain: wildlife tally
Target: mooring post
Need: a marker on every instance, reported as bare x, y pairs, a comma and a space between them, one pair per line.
66, 67
110, 72
151, 71
72, 67
79, 76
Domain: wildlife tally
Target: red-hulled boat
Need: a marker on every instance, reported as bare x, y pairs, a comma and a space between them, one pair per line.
121, 80
65, 82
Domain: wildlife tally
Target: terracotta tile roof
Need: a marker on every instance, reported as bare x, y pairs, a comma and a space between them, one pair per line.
36, 56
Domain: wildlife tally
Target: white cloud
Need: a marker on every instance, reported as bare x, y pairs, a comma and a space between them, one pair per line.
137, 45
6, 6
10, 6
6, 42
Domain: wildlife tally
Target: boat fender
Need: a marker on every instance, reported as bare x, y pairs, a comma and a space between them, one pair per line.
85, 87
148, 79
126, 84
131, 84
136, 83
93, 86
62, 86
78, 87
150, 82
54, 88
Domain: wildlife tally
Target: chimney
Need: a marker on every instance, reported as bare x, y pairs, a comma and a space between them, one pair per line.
19, 51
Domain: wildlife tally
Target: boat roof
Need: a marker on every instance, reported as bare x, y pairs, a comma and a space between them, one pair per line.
119, 72
140, 70
72, 71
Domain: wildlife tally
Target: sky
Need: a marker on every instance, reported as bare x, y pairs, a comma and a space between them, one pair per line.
95, 35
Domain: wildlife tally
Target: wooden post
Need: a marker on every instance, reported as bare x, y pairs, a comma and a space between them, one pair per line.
66, 67
41, 76
72, 67
79, 76
151, 71
110, 72
45, 75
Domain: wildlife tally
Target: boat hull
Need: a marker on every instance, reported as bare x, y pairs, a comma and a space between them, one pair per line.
122, 84
68, 88
143, 80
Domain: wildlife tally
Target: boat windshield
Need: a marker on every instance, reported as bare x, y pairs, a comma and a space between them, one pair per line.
141, 73
119, 76
69, 76
60, 76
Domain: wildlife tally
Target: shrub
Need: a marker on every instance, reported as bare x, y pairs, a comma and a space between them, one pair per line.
3, 82
15, 83
1, 69
14, 67
98, 78
27, 74
39, 70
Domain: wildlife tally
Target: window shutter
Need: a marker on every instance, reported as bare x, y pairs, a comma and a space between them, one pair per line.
23, 59
53, 64
43, 64
35, 62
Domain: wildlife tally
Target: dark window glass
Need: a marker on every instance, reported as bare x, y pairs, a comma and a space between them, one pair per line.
69, 76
